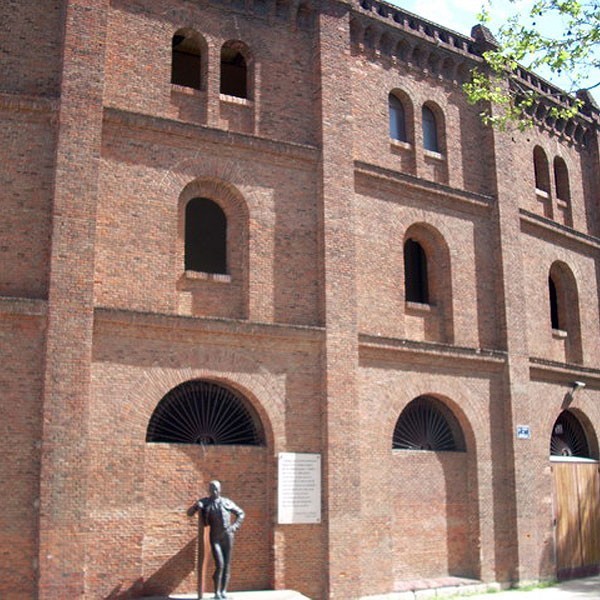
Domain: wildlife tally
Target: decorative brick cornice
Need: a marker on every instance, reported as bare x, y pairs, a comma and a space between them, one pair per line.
163, 126
549, 370
431, 352
470, 200
26, 103
559, 229
28, 307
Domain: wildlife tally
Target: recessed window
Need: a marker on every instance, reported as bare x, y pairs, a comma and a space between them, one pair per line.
205, 413
554, 315
397, 117
561, 179
186, 60
205, 237
427, 424
540, 167
234, 72
430, 130
416, 283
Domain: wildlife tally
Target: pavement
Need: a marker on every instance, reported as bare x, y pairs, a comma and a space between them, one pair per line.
580, 589
576, 589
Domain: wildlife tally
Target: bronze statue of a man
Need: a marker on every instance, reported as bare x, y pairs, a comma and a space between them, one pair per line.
216, 512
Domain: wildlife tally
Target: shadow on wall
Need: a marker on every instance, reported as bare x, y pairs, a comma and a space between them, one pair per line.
163, 581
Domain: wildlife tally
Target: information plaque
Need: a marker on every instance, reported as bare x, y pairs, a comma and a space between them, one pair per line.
299, 488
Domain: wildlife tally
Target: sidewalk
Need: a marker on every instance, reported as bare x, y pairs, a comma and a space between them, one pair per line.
588, 589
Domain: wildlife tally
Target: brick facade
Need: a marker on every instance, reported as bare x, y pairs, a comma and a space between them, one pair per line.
310, 323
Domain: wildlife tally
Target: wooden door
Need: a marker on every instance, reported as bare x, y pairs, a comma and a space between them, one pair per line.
577, 510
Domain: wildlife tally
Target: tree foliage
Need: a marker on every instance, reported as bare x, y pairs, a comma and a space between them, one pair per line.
557, 36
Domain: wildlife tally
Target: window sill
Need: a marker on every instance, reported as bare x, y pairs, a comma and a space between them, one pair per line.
542, 193
400, 144
562, 203
418, 307
192, 277
235, 100
559, 334
434, 155
186, 91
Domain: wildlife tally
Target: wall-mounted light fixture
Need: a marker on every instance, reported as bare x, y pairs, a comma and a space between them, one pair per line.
570, 395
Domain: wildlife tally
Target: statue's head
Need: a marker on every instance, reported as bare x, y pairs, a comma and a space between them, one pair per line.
214, 487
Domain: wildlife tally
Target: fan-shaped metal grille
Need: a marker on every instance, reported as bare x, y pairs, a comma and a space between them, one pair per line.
201, 412
568, 437
423, 425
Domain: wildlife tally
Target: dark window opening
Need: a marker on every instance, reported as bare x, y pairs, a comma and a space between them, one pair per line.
554, 314
430, 134
202, 412
186, 62
205, 237
426, 424
234, 73
415, 273
561, 179
397, 119
540, 167
568, 437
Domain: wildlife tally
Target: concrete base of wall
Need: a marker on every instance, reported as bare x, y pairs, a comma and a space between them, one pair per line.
255, 595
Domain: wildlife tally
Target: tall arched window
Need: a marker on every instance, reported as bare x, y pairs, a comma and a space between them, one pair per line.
205, 236
397, 119
554, 315
540, 167
416, 282
564, 310
186, 59
206, 413
561, 179
234, 71
427, 424
430, 130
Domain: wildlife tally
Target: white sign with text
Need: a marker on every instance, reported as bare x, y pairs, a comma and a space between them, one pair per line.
299, 488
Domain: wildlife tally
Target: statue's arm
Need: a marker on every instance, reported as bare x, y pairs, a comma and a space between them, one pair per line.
194, 508
239, 516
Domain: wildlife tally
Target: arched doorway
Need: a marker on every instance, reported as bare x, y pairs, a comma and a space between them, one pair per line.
199, 431
576, 472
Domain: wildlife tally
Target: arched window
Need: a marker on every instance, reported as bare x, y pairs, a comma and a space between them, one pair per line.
234, 71
554, 315
416, 282
568, 437
205, 237
561, 179
203, 412
430, 130
427, 424
397, 119
186, 60
540, 167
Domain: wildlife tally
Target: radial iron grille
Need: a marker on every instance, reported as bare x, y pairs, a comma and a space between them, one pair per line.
568, 437
422, 425
200, 412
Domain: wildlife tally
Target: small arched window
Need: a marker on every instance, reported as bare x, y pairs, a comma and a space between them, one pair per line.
397, 119
205, 237
561, 179
430, 130
206, 413
427, 424
540, 167
186, 59
416, 282
234, 71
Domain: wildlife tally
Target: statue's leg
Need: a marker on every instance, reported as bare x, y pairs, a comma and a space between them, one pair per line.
217, 552
227, 549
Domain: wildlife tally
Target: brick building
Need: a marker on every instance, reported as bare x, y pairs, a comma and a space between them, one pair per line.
238, 228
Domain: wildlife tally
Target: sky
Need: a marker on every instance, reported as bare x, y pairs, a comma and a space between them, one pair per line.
461, 15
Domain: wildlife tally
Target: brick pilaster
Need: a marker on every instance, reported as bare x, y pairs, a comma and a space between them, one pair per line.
70, 303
